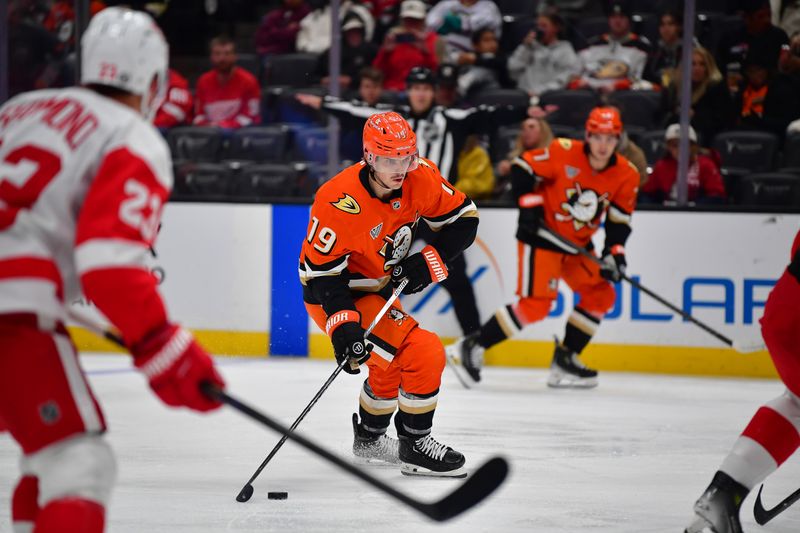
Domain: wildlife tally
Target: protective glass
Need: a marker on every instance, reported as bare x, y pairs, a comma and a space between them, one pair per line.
396, 165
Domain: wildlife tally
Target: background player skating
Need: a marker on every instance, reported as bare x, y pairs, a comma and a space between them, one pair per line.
567, 186
84, 179
773, 433
362, 224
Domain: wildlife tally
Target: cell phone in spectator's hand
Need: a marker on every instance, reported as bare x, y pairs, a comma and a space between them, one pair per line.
405, 37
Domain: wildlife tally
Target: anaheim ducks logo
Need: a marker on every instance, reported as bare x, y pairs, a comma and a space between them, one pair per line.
397, 315
583, 207
347, 204
395, 247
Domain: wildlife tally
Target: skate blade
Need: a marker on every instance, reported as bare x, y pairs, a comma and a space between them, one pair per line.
564, 382
373, 462
408, 469
460, 372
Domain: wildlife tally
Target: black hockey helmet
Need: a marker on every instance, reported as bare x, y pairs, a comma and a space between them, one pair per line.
420, 75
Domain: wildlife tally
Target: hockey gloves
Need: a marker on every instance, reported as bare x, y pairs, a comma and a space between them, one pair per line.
614, 263
176, 365
347, 336
531, 214
421, 269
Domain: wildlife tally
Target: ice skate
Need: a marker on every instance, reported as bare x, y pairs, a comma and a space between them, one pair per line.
371, 448
467, 353
427, 457
717, 510
568, 372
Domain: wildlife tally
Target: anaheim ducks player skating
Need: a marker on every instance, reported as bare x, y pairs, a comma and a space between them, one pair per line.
362, 224
567, 186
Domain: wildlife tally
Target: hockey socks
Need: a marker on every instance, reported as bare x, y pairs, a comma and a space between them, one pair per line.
581, 327
75, 515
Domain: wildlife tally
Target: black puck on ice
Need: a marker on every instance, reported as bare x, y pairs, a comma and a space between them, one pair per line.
277, 495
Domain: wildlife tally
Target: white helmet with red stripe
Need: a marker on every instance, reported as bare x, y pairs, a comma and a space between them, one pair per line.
125, 49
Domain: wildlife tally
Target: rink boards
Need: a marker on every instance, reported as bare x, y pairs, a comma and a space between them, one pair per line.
229, 273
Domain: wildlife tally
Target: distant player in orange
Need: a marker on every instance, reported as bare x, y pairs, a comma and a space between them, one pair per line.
567, 186
362, 224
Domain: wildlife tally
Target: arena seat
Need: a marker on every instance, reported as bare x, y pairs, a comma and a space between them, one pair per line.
202, 180
265, 180
638, 108
260, 143
751, 150
771, 189
294, 70
573, 106
195, 143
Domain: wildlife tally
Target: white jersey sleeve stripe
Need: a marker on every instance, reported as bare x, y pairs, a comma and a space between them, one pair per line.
97, 254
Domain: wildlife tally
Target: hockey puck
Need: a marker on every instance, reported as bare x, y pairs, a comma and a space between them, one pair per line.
277, 495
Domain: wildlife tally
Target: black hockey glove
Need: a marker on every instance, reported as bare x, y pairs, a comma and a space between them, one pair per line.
347, 337
421, 269
531, 214
614, 263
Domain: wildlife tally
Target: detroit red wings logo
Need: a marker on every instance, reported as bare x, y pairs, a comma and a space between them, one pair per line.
583, 207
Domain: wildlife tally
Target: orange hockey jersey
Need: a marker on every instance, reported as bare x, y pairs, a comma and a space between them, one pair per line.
353, 233
575, 195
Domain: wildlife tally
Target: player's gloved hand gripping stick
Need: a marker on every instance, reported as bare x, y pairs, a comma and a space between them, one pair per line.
550, 235
348, 361
483, 481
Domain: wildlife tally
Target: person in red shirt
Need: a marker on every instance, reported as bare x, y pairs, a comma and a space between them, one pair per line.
60, 21
407, 46
278, 30
177, 107
226, 96
704, 180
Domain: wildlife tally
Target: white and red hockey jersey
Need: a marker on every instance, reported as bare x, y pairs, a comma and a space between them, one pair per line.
83, 180
232, 104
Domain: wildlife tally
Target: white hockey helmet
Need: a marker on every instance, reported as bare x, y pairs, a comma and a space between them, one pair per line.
125, 49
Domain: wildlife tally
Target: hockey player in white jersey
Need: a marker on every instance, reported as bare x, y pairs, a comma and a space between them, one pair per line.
83, 180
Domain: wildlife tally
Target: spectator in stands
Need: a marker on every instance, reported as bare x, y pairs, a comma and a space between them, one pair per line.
758, 36
789, 16
278, 30
177, 107
712, 108
614, 60
407, 46
446, 92
456, 20
484, 67
768, 98
543, 62
534, 133
60, 21
314, 36
705, 185
33, 57
356, 53
634, 154
790, 67
226, 96
666, 54
475, 175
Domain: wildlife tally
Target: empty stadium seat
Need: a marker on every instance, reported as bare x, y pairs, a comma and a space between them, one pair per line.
262, 143
311, 145
265, 180
195, 143
573, 106
751, 150
652, 144
201, 180
500, 97
638, 108
294, 70
771, 189
791, 150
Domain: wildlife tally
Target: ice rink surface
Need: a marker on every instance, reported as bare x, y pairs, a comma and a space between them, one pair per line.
629, 456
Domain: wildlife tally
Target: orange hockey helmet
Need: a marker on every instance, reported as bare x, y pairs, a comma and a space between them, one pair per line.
604, 120
390, 145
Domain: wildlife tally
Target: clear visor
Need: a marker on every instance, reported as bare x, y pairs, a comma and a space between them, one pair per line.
396, 165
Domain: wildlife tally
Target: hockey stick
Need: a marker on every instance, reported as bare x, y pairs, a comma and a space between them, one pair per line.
564, 243
483, 481
247, 491
763, 516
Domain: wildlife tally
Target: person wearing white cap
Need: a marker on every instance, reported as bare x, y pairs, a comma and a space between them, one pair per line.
705, 183
408, 45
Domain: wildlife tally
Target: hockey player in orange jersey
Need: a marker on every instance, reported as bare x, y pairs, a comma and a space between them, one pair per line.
567, 187
362, 224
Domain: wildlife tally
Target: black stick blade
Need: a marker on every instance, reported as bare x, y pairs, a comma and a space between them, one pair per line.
475, 489
245, 494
